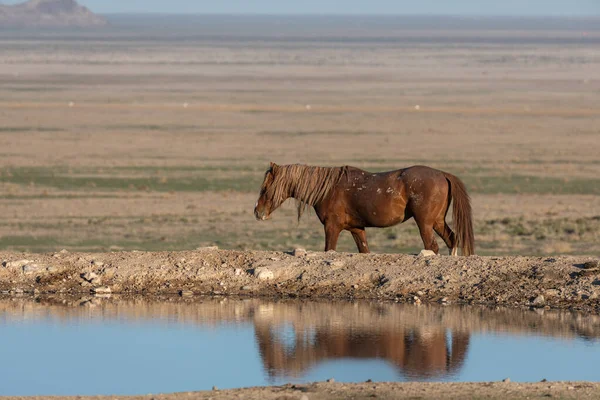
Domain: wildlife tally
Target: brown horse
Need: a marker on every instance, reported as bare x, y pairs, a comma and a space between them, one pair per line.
348, 198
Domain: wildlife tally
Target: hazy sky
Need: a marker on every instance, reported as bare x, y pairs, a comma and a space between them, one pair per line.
462, 7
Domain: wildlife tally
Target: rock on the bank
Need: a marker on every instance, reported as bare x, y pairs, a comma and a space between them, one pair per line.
263, 274
427, 253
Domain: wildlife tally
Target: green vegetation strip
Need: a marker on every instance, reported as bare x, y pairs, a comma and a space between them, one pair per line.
63, 180
248, 179
18, 129
522, 184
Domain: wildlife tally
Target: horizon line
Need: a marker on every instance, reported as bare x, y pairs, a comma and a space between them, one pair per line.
252, 14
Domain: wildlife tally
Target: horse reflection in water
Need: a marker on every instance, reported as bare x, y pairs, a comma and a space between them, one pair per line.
417, 353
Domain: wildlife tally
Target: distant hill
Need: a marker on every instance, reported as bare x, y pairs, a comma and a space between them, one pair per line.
48, 14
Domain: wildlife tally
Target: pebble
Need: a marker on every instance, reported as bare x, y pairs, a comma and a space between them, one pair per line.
246, 288
52, 269
590, 264
506, 380
587, 272
354, 286
416, 300
238, 271
426, 253
330, 380
539, 301
552, 292
420, 293
32, 268
299, 252
109, 272
215, 388
102, 290
16, 264
89, 276
263, 274
97, 263
186, 293
336, 263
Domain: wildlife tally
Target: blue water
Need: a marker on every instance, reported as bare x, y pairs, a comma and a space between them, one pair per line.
97, 353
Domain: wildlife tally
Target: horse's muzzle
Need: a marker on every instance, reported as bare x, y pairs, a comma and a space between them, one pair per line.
261, 216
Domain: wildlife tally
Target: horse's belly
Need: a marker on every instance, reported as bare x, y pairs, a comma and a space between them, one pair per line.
380, 221
384, 212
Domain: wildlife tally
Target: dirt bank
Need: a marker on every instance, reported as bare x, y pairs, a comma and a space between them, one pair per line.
551, 282
370, 390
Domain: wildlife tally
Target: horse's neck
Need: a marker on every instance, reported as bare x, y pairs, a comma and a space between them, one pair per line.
304, 194
297, 194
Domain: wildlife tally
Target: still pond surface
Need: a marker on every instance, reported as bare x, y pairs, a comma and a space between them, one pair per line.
111, 346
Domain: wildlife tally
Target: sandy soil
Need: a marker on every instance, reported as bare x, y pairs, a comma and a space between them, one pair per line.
330, 391
553, 282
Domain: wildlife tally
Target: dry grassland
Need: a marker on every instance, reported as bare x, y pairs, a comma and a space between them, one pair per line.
118, 142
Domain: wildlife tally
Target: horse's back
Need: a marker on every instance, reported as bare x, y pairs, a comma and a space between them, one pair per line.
425, 186
422, 172
421, 175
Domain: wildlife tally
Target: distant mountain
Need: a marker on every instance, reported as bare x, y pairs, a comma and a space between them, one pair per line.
48, 14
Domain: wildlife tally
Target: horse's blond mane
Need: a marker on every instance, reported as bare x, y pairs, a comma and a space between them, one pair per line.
307, 184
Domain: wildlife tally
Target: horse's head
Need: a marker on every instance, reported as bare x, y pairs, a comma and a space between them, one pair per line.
267, 200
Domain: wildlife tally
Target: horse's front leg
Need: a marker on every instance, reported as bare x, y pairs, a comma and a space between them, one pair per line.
332, 233
360, 238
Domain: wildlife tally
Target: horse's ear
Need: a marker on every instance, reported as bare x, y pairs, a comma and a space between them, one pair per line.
274, 166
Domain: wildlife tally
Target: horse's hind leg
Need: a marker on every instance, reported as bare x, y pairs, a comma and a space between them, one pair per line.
426, 230
360, 238
442, 229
